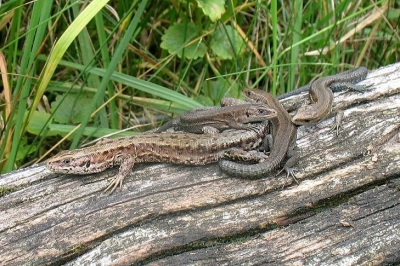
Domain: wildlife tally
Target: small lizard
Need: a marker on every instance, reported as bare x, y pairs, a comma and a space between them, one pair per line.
321, 94
215, 119
359, 74
284, 134
177, 148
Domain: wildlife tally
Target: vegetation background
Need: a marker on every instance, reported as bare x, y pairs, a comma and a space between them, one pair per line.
75, 70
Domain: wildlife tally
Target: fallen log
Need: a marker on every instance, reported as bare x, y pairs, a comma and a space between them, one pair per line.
346, 209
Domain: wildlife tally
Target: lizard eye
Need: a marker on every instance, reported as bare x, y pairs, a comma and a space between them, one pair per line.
66, 161
262, 111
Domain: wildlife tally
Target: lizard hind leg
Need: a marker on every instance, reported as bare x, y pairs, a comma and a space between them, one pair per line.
126, 163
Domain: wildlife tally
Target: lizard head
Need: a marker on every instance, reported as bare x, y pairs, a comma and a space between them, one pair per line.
259, 112
306, 115
254, 95
76, 162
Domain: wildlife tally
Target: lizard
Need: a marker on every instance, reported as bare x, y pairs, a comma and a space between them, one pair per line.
359, 74
177, 148
284, 134
214, 119
321, 94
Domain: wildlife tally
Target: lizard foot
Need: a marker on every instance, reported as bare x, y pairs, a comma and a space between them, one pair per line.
337, 125
289, 172
117, 181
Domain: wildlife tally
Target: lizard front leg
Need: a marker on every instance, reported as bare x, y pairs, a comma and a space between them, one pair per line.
126, 163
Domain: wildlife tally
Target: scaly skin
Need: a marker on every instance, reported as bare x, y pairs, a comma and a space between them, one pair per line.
177, 148
322, 97
215, 119
284, 135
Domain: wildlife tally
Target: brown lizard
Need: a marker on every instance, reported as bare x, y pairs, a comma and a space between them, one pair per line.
177, 148
215, 119
322, 97
284, 134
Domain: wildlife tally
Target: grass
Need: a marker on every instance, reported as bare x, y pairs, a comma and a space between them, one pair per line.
83, 69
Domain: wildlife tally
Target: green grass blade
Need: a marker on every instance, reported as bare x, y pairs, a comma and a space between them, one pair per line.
113, 64
63, 43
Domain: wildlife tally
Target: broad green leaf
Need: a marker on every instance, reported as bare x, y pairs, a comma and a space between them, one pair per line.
95, 132
220, 88
38, 122
69, 108
207, 101
212, 8
214, 90
227, 43
176, 38
25, 149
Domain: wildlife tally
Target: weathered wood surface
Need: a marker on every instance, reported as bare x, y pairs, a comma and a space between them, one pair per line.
346, 209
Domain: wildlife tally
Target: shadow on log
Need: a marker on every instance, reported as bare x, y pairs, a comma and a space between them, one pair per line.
345, 211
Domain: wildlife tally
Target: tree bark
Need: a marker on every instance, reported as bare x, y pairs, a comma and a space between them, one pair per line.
346, 209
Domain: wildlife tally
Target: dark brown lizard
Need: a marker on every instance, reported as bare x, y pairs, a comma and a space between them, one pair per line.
284, 134
322, 97
215, 119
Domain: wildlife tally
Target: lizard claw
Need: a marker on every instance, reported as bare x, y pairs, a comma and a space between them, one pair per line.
289, 172
114, 184
337, 125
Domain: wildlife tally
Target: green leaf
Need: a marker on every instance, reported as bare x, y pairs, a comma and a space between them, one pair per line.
207, 101
41, 120
38, 122
176, 38
25, 149
212, 8
227, 43
70, 108
220, 88
94, 132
